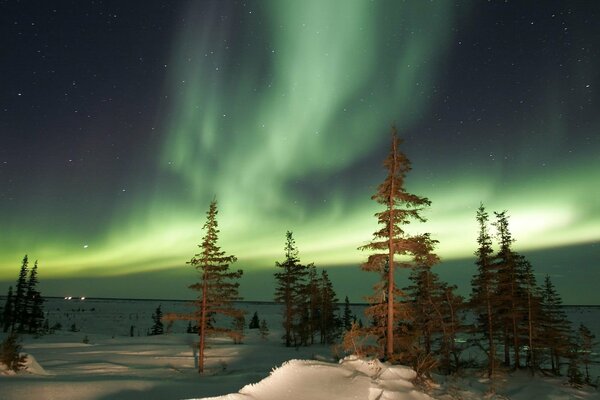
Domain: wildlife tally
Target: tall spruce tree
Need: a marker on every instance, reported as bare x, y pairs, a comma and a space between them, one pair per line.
313, 296
290, 291
555, 327
20, 300
329, 321
509, 308
484, 288
8, 312
586, 347
217, 287
34, 302
348, 317
401, 207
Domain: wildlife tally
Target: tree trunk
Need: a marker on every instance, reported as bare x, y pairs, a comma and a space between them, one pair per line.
202, 330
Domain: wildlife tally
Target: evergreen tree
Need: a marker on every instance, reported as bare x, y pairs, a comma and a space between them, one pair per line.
329, 322
586, 346
573, 373
348, 317
315, 303
263, 329
554, 325
8, 312
533, 312
254, 322
290, 291
484, 285
20, 300
10, 353
34, 303
401, 208
508, 299
157, 326
218, 286
239, 323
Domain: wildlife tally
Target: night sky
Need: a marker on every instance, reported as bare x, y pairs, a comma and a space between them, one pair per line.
121, 120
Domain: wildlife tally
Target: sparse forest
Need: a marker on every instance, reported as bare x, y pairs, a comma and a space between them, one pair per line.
514, 321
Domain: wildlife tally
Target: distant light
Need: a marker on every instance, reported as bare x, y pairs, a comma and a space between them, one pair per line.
82, 298
68, 298
85, 246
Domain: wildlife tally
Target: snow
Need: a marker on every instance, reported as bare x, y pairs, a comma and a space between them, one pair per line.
113, 365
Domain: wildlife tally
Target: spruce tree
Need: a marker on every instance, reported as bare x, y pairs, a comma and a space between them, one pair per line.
34, 303
217, 287
290, 291
254, 322
263, 329
157, 326
329, 321
10, 353
586, 346
8, 312
484, 286
314, 298
401, 207
348, 317
508, 298
20, 300
554, 325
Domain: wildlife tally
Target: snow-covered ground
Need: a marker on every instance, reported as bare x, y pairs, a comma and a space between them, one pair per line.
114, 365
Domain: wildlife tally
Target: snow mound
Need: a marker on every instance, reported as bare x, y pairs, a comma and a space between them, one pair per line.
352, 378
31, 366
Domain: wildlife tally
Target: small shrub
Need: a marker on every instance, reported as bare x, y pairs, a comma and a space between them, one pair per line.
10, 353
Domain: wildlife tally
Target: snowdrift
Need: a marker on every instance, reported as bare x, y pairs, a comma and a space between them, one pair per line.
352, 378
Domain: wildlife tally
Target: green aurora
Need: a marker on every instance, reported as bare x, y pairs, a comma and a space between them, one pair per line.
283, 112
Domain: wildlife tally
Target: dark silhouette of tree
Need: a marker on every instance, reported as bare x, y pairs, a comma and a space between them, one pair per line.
329, 321
554, 325
586, 347
217, 288
389, 303
20, 300
314, 299
34, 303
254, 322
290, 290
484, 288
157, 326
8, 312
263, 329
509, 309
10, 353
348, 317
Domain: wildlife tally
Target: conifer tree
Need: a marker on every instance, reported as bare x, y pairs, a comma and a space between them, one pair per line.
586, 346
157, 326
290, 291
508, 296
34, 303
263, 329
392, 240
20, 300
314, 299
329, 321
238, 325
8, 312
217, 288
555, 327
10, 353
484, 285
254, 322
348, 317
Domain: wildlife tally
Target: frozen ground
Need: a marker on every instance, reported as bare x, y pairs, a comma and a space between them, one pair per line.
114, 365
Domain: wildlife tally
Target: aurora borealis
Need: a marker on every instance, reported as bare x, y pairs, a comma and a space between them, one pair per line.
120, 121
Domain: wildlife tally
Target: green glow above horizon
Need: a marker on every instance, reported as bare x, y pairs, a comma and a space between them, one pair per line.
275, 120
